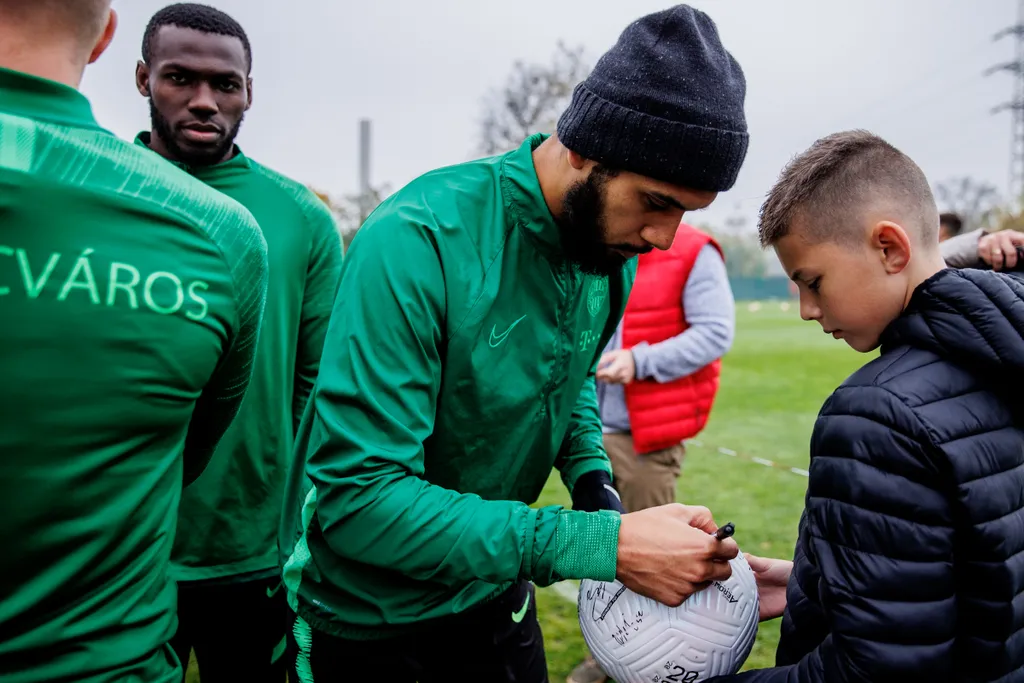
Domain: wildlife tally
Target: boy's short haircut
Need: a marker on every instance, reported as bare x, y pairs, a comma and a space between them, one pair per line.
954, 224
836, 179
84, 19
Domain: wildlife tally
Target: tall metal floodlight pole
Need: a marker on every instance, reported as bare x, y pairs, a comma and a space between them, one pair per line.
1015, 106
364, 169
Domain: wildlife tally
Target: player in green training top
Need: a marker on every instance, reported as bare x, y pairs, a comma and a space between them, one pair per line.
196, 73
131, 298
460, 368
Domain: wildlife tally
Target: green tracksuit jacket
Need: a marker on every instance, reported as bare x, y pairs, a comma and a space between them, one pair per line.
458, 368
228, 519
131, 300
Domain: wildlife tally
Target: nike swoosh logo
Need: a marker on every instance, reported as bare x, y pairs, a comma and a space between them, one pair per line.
517, 617
614, 492
497, 339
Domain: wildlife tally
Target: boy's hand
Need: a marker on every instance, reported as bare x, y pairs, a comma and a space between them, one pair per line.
668, 553
772, 577
617, 367
999, 249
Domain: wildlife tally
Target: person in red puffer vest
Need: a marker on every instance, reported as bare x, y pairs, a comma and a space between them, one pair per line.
659, 376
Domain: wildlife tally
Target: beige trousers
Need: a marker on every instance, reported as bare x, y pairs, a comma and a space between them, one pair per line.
643, 481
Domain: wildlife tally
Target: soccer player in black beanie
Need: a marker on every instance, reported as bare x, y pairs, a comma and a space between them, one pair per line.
460, 368
667, 103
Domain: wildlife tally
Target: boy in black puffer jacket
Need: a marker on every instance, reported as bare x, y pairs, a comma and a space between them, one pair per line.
910, 560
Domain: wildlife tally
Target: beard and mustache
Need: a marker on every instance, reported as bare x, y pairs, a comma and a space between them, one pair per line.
189, 156
583, 228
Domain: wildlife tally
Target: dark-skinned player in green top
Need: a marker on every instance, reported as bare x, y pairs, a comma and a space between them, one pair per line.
196, 73
131, 297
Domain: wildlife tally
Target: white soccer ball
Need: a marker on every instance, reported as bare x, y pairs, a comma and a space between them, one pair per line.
638, 640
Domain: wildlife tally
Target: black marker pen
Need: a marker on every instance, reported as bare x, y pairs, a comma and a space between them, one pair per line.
725, 531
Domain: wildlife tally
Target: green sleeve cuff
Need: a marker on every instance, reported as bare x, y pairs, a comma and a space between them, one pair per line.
586, 545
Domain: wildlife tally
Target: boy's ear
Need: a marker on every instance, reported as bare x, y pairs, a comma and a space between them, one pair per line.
892, 243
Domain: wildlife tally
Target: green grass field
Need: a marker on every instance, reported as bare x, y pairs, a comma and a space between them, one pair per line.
774, 380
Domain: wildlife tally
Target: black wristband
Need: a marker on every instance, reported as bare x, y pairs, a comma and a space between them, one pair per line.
594, 491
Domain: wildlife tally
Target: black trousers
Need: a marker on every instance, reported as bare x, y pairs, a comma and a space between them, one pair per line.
236, 629
499, 642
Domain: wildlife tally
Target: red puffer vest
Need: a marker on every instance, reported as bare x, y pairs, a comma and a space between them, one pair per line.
662, 415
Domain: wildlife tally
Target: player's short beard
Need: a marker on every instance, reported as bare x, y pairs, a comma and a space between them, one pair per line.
162, 127
583, 228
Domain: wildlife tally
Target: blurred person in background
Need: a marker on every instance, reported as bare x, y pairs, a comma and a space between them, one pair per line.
950, 225
983, 249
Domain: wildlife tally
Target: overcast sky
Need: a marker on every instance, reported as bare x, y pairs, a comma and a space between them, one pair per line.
909, 70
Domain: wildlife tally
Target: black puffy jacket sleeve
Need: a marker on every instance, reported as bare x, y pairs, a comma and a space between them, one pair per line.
875, 552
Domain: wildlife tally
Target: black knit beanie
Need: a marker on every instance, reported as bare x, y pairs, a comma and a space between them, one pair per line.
665, 102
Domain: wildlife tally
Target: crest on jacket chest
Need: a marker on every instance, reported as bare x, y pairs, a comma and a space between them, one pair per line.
596, 295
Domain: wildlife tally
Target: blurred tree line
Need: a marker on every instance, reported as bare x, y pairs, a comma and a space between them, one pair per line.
979, 205
351, 210
530, 101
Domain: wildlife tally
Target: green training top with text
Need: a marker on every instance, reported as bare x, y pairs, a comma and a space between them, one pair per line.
227, 527
458, 370
131, 297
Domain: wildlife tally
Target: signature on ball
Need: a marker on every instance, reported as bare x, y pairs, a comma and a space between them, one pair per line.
598, 594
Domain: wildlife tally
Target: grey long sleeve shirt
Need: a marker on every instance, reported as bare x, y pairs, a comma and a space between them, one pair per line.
962, 251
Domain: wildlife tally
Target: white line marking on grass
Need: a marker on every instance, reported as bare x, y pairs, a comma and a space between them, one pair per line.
760, 461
